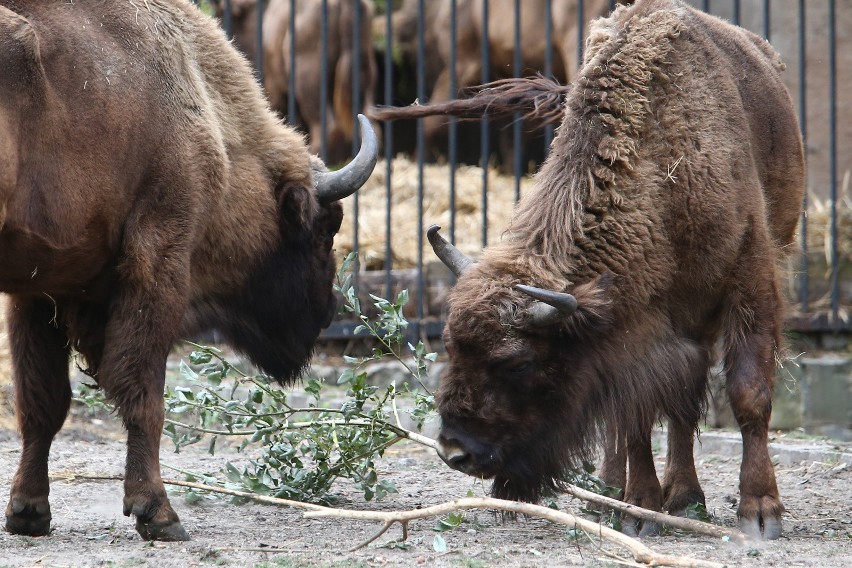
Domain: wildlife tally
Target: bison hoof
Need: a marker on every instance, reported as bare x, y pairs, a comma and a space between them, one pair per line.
29, 517
638, 528
760, 517
169, 532
685, 504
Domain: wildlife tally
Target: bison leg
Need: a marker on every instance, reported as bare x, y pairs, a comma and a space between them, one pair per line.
614, 467
750, 377
145, 316
643, 487
42, 397
681, 488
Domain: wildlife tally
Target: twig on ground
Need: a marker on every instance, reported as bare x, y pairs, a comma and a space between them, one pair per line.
662, 518
641, 553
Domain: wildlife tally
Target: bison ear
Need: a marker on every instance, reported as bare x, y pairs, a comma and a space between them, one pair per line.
297, 209
594, 299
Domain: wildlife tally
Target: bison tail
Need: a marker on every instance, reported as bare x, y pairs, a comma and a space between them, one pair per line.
537, 99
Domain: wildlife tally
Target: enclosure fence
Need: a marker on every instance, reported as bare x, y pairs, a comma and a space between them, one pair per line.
805, 33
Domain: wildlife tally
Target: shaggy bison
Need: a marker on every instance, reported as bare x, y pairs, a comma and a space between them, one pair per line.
671, 192
147, 191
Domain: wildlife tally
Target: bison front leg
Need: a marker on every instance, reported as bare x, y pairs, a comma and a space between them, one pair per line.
42, 397
142, 326
681, 488
643, 487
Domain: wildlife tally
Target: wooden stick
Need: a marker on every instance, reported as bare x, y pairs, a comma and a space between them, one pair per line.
662, 518
640, 552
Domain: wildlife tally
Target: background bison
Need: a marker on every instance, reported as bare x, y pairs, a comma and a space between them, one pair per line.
147, 192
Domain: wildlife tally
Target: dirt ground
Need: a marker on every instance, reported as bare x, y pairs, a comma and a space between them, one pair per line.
89, 529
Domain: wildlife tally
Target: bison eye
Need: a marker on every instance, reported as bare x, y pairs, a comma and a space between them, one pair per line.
516, 368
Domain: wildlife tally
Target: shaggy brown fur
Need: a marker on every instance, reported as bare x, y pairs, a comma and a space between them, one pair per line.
670, 194
146, 192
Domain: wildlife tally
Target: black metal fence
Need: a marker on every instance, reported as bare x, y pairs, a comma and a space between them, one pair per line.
806, 35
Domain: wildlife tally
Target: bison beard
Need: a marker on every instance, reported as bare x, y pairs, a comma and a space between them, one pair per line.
669, 199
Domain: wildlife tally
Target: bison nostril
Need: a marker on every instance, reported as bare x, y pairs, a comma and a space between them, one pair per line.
452, 453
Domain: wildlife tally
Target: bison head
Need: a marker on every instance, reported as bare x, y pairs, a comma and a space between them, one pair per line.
517, 402
287, 301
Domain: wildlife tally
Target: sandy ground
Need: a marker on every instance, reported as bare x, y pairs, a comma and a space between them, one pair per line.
89, 529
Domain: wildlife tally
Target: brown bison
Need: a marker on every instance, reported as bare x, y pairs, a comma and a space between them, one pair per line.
340, 123
671, 193
471, 41
147, 191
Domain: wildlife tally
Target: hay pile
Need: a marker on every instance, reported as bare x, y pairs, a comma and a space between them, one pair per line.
436, 210
819, 245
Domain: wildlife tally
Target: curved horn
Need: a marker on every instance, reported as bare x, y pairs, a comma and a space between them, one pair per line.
449, 255
334, 186
551, 306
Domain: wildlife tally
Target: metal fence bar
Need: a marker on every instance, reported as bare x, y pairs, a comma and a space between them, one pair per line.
421, 143
484, 130
766, 20
832, 154
228, 19
737, 12
517, 123
548, 63
388, 142
452, 148
804, 292
356, 108
705, 5
291, 80
323, 82
261, 8
580, 19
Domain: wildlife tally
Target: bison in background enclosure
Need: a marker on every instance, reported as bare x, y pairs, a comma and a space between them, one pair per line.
340, 114
146, 192
670, 196
470, 45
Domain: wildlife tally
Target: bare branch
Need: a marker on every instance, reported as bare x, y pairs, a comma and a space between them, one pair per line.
640, 552
661, 518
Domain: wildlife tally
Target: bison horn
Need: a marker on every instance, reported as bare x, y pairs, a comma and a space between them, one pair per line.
334, 186
449, 255
551, 307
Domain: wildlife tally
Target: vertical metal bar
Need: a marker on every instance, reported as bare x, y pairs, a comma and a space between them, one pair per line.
324, 82
291, 80
705, 5
356, 108
581, 17
388, 142
421, 141
766, 20
484, 148
832, 152
737, 12
452, 150
228, 19
258, 62
516, 125
548, 63
804, 292
611, 5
